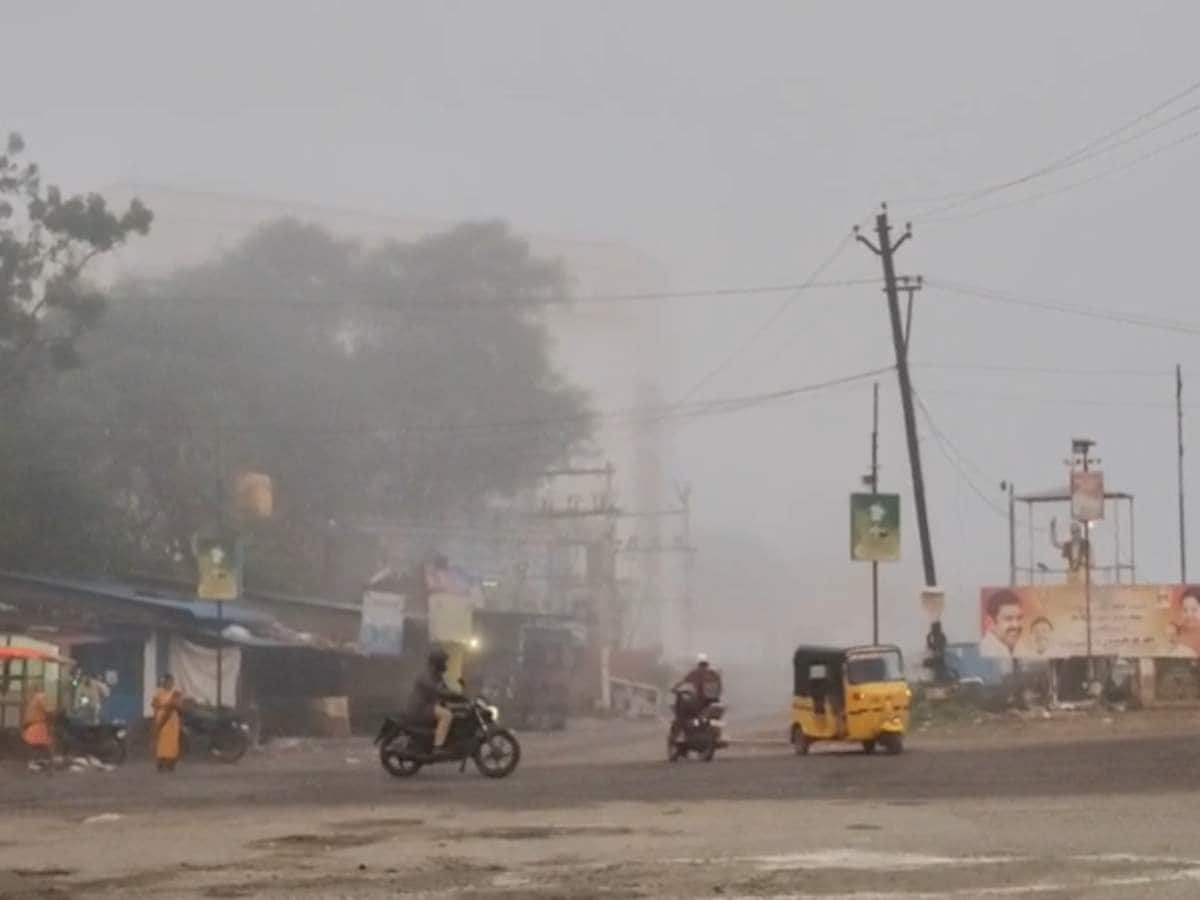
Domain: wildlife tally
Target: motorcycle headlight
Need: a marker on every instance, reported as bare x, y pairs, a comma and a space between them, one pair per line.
121, 733
243, 727
494, 712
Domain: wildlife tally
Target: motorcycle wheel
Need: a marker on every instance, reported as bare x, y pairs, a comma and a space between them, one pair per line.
675, 752
498, 755
229, 746
705, 745
112, 751
868, 747
396, 765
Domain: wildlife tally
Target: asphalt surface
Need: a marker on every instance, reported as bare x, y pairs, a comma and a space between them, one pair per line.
566, 770
1097, 808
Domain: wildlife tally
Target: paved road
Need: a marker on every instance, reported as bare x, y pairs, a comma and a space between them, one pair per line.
563, 771
598, 814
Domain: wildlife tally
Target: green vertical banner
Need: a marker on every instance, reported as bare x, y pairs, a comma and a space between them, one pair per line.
875, 527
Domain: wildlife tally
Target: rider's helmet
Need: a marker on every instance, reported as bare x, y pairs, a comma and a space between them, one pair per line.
439, 659
702, 660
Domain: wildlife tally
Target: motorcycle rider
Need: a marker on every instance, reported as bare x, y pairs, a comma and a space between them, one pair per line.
429, 695
705, 684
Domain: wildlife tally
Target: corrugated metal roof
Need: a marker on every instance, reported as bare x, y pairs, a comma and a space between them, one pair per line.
200, 610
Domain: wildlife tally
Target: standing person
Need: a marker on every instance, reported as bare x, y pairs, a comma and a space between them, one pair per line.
166, 703
36, 728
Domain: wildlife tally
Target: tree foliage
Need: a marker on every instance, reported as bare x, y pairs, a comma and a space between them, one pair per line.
407, 379
46, 241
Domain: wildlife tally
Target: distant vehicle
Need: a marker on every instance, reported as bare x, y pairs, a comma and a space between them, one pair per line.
219, 733
691, 731
850, 694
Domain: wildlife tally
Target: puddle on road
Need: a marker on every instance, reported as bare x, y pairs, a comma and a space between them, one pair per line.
370, 824
541, 832
309, 842
50, 872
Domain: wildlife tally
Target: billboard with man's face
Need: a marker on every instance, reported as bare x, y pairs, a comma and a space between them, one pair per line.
1050, 621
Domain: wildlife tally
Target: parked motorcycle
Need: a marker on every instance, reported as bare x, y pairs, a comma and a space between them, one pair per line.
105, 742
695, 732
218, 733
475, 735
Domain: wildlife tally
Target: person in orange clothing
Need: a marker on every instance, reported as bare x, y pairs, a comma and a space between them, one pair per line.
166, 704
36, 729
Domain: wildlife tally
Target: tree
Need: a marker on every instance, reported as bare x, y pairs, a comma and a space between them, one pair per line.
46, 241
408, 379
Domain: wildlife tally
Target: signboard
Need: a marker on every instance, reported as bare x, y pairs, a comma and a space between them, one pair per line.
1087, 496
219, 561
381, 631
875, 527
1050, 621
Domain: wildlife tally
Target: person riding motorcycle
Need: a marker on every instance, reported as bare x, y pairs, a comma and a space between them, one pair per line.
429, 695
703, 683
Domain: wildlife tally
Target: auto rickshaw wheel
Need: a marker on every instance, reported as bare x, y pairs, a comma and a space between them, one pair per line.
868, 747
800, 741
893, 743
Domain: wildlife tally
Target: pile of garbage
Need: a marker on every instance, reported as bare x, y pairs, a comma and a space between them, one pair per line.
75, 764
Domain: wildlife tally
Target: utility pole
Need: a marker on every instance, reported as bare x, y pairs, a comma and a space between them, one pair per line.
1081, 456
1179, 434
885, 251
873, 482
220, 498
1012, 533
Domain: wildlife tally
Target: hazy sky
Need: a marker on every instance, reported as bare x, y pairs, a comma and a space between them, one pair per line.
735, 143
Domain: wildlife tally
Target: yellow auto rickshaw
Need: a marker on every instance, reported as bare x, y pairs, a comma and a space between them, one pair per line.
857, 695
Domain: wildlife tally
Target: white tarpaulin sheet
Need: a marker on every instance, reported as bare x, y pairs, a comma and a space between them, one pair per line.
195, 670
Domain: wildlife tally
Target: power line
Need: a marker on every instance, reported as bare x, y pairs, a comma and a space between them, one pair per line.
1023, 201
1087, 151
344, 302
1045, 400
988, 368
635, 417
766, 324
1105, 315
953, 456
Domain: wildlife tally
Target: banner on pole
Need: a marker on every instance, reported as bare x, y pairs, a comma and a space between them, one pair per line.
219, 561
1087, 496
875, 527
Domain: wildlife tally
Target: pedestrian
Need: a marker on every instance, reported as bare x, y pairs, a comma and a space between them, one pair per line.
166, 703
35, 728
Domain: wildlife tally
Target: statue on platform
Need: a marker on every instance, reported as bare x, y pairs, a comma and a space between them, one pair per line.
1075, 550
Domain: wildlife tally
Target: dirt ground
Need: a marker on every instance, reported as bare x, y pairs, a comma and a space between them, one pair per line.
1076, 805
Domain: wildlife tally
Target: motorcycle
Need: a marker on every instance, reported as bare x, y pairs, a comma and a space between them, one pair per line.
220, 733
105, 742
695, 732
475, 734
